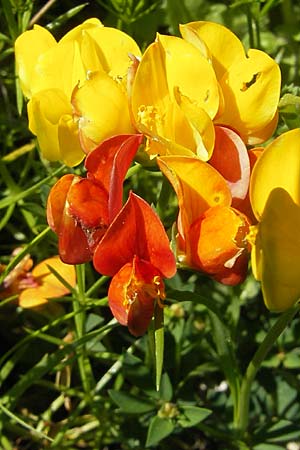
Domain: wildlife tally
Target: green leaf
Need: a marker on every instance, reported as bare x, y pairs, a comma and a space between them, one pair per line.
93, 321
130, 404
289, 108
291, 360
225, 350
65, 17
192, 415
159, 343
158, 429
166, 390
267, 447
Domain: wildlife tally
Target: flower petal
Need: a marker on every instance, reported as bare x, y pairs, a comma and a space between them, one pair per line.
155, 109
115, 47
223, 45
76, 33
188, 70
44, 112
217, 239
61, 67
70, 149
251, 90
230, 158
278, 166
276, 251
28, 47
49, 285
132, 295
204, 131
87, 203
101, 108
136, 230
108, 164
198, 186
57, 200
75, 247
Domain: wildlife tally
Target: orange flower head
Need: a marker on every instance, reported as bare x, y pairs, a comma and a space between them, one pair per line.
136, 252
80, 209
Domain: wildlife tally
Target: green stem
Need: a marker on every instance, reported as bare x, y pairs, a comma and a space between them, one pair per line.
250, 27
254, 365
84, 366
23, 252
22, 194
163, 199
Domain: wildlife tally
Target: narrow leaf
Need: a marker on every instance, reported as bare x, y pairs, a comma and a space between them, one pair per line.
159, 343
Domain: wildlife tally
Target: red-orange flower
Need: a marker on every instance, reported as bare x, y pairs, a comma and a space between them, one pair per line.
80, 209
136, 252
211, 233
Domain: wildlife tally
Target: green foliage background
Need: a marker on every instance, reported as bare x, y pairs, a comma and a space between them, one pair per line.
97, 389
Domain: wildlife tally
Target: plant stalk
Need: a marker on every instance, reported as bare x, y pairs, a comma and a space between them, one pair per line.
84, 366
254, 365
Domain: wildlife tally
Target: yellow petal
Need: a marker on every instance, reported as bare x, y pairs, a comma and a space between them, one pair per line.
69, 144
101, 108
155, 110
49, 285
278, 166
44, 112
203, 127
223, 46
197, 184
61, 67
251, 90
189, 70
277, 251
151, 73
28, 48
115, 47
76, 33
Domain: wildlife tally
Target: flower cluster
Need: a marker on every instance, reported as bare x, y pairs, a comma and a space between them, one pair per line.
193, 105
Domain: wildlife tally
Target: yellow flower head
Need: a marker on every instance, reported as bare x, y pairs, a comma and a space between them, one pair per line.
249, 82
181, 98
275, 200
52, 75
34, 287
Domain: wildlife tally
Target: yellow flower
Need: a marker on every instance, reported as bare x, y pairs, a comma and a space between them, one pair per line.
50, 119
53, 75
250, 82
47, 284
181, 98
34, 287
275, 199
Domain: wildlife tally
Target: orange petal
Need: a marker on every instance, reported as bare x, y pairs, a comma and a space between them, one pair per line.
57, 200
230, 158
88, 204
136, 230
217, 239
108, 164
49, 284
132, 294
197, 184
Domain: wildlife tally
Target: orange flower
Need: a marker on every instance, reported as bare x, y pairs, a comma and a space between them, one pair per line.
135, 250
35, 287
211, 233
80, 209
